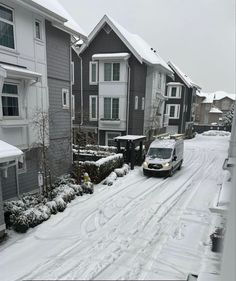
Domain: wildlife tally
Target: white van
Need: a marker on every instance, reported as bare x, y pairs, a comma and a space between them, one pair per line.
165, 155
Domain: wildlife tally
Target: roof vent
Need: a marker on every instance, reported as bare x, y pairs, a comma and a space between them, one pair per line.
107, 28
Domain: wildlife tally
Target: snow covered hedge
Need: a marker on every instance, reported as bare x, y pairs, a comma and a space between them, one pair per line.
32, 210
98, 170
119, 172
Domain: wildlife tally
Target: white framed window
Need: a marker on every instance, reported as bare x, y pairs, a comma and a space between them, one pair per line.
93, 72
22, 165
65, 98
93, 108
110, 138
72, 73
73, 107
143, 103
174, 92
7, 27
10, 100
111, 108
173, 111
112, 71
38, 29
136, 102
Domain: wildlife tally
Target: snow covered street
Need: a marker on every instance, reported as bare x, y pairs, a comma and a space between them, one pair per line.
138, 228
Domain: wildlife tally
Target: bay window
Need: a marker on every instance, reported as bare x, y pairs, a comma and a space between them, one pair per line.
10, 102
111, 108
111, 71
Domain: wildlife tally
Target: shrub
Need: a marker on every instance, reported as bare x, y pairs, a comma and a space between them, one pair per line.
52, 206
21, 223
61, 204
110, 179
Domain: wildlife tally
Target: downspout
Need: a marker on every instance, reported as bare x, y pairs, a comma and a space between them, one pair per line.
183, 111
17, 181
128, 96
71, 113
81, 92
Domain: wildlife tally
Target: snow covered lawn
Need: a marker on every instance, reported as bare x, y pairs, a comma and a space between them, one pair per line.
138, 228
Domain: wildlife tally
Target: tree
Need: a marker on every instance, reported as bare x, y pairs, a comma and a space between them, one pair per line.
228, 117
41, 126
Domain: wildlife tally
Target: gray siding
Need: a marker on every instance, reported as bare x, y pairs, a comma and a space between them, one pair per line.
109, 43
28, 180
59, 67
2, 221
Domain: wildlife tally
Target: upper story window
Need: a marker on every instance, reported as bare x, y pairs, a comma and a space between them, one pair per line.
10, 100
111, 71
174, 92
173, 110
65, 98
143, 103
111, 108
38, 30
6, 27
93, 72
92, 108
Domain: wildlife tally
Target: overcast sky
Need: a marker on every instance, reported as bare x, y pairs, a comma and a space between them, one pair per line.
197, 35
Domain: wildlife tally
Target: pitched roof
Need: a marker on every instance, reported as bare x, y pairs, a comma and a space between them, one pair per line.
141, 49
8, 152
218, 95
215, 109
54, 8
186, 79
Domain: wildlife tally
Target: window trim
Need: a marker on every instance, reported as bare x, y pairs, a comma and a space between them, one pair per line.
72, 73
111, 132
13, 24
177, 110
111, 111
90, 108
24, 167
67, 105
90, 72
73, 107
113, 62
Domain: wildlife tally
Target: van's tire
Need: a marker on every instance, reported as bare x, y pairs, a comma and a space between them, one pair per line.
145, 173
171, 172
180, 165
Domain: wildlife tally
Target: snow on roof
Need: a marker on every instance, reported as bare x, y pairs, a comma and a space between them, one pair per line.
141, 49
166, 143
218, 95
215, 110
111, 55
187, 80
8, 152
130, 137
16, 71
56, 8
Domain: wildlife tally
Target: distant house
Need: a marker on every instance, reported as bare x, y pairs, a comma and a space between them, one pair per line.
211, 107
35, 78
121, 87
180, 106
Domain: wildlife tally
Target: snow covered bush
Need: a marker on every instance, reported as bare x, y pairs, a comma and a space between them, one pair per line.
110, 179
21, 223
228, 117
124, 170
52, 207
98, 170
216, 133
60, 203
65, 192
87, 187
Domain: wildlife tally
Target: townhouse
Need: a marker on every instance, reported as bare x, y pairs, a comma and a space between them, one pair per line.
36, 74
180, 106
119, 84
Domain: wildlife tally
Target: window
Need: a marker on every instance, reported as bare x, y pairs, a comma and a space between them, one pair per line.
136, 102
6, 27
159, 81
93, 73
93, 108
10, 102
111, 108
73, 107
38, 31
110, 138
72, 73
174, 92
143, 103
111, 71
173, 111
65, 98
